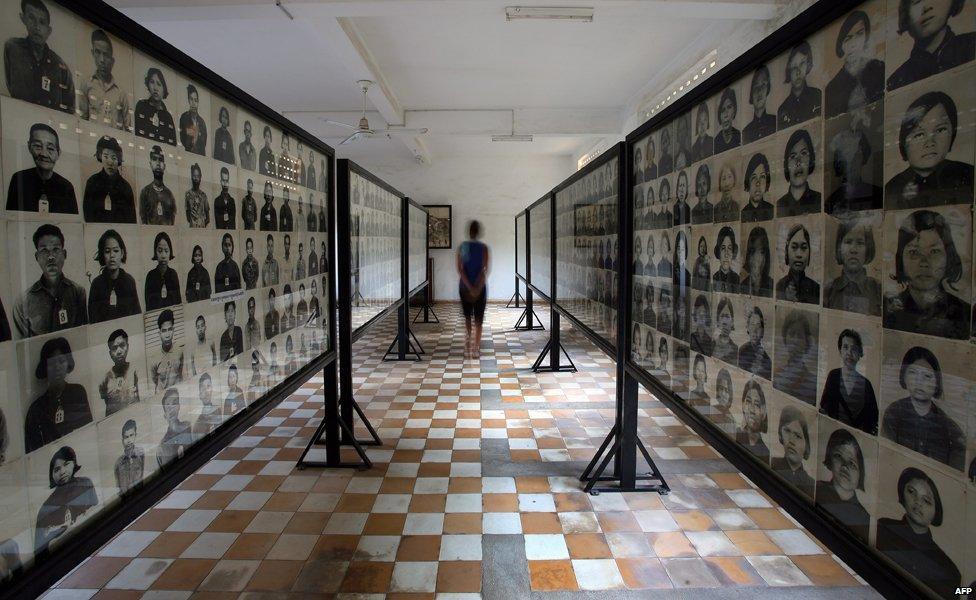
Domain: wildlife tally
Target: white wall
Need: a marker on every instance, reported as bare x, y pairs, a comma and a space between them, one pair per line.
491, 189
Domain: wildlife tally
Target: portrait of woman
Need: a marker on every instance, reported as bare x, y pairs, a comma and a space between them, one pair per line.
664, 265
860, 80
844, 460
727, 208
152, 119
652, 212
794, 437
682, 141
927, 268
664, 310
63, 406
927, 134
638, 166
198, 278
664, 200
648, 353
71, 498
725, 280
851, 153
847, 395
649, 316
650, 160
663, 361
701, 323
796, 285
799, 163
762, 123
681, 276
908, 541
162, 283
756, 280
916, 421
756, 185
650, 266
723, 401
854, 290
704, 143
703, 210
728, 136
113, 291
803, 102
752, 355
223, 147
935, 46
755, 422
681, 325
699, 374
665, 165
702, 272
725, 348
638, 256
797, 354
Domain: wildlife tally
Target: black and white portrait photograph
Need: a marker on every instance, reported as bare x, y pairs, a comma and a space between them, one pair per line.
755, 353
928, 271
752, 428
727, 258
925, 395
11, 406
173, 420
931, 163
854, 59
227, 273
728, 332
157, 91
802, 73
756, 276
764, 95
105, 78
793, 442
165, 347
724, 383
39, 53
702, 131
726, 191
702, 209
852, 263
921, 518
680, 368
224, 117
112, 255
16, 521
195, 112
797, 353
197, 197
249, 140
728, 117
161, 281
117, 366
701, 258
757, 180
48, 275
850, 371
54, 373
203, 340
159, 185
700, 337
854, 161
225, 194
802, 171
799, 263
125, 451
108, 195
847, 472
199, 255
925, 39
41, 163
665, 146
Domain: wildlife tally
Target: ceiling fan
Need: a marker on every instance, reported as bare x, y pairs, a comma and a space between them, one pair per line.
363, 130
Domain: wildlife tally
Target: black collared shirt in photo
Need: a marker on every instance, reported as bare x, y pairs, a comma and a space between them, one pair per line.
112, 298
227, 276
197, 284
799, 108
46, 80
29, 192
225, 211
955, 49
847, 91
951, 182
108, 199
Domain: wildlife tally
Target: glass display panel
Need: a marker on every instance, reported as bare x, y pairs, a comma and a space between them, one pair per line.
375, 233
586, 249
803, 249
520, 244
417, 260
540, 245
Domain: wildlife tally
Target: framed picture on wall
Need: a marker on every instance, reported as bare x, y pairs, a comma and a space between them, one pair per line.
439, 226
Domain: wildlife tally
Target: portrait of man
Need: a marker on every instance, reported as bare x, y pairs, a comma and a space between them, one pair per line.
287, 166
33, 71
927, 134
167, 370
252, 329
267, 164
794, 437
120, 385
178, 436
234, 401
310, 180
71, 497
131, 466
223, 148
108, 196
40, 189
860, 80
288, 320
272, 320
665, 164
756, 185
227, 276
193, 128
803, 102
313, 259
197, 204
205, 350
102, 99
232, 340
249, 207
286, 221
157, 205
796, 285
936, 47
301, 269
54, 302
763, 123
269, 271
63, 406
153, 119
210, 415
752, 354
797, 354
246, 149
249, 267
728, 136
269, 215
799, 163
225, 208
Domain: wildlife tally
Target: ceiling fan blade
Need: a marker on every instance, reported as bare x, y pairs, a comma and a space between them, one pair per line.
347, 125
352, 138
403, 131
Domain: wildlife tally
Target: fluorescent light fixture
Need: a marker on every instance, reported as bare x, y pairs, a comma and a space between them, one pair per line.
511, 138
559, 13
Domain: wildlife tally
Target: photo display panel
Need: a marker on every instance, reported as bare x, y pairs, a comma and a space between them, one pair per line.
803, 260
586, 249
417, 260
374, 221
520, 244
166, 265
540, 245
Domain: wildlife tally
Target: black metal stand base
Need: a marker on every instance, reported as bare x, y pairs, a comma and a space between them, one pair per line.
334, 432
427, 311
536, 325
539, 367
516, 297
653, 475
413, 351
333, 460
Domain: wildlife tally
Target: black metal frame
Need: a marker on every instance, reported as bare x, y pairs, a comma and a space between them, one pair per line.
407, 345
528, 316
517, 296
450, 230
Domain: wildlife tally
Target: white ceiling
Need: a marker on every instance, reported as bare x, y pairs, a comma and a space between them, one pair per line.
459, 68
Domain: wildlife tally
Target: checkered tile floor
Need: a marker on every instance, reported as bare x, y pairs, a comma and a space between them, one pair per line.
473, 494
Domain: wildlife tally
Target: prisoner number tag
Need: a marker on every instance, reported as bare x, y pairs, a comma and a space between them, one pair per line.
113, 299
197, 286
59, 415
46, 83
63, 316
162, 292
43, 206
159, 209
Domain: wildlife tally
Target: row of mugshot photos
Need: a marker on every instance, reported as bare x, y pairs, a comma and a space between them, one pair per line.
63, 276
66, 170
266, 335
872, 53
86, 72
912, 151
911, 268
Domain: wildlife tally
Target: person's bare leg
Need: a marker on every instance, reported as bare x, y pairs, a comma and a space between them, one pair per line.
476, 344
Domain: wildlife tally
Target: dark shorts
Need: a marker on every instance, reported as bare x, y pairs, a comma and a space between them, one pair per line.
476, 308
